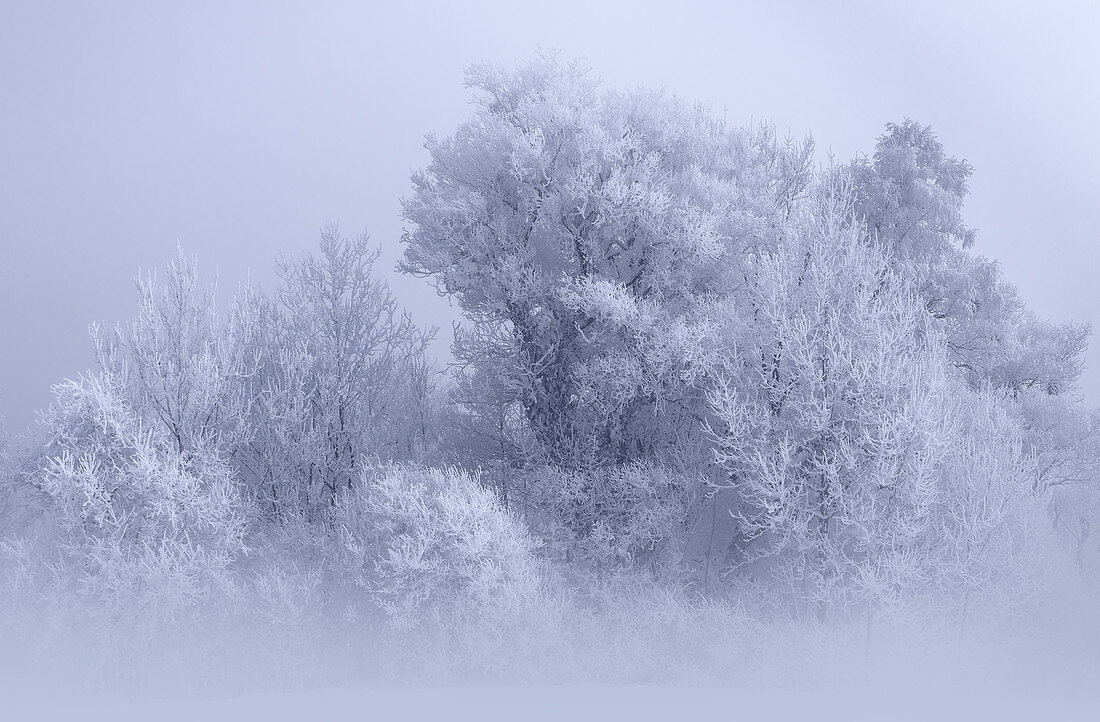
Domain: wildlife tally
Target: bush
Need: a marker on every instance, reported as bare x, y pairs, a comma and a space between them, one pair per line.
432, 546
139, 539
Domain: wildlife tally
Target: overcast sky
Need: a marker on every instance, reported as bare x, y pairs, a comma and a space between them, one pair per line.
238, 129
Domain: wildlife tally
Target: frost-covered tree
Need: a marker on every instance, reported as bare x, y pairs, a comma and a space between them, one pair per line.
341, 378
910, 195
589, 237
582, 231
176, 365
828, 412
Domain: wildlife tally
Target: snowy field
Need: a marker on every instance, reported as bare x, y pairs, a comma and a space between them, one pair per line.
589, 702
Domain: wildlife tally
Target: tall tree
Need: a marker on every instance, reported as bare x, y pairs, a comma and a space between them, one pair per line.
581, 230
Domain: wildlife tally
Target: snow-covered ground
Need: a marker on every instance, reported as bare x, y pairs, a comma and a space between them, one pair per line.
583, 702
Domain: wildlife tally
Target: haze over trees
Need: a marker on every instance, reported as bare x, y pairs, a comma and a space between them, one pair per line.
704, 383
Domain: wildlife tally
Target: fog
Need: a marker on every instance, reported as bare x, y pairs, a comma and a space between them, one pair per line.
739, 420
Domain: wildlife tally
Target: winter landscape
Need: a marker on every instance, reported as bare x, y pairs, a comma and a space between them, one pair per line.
630, 405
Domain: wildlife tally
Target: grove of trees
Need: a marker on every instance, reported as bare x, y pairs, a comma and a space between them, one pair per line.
701, 376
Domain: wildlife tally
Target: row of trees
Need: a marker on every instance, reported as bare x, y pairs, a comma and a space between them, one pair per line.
690, 354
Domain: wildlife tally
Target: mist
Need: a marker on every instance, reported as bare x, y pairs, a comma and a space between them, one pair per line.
595, 360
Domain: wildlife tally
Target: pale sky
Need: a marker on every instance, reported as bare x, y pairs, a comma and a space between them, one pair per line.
239, 129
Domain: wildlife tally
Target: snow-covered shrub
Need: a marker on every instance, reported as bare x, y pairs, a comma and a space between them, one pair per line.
143, 537
111, 477
433, 547
614, 518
